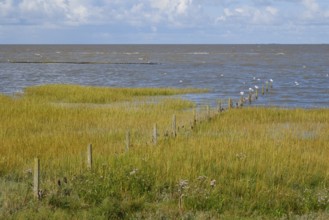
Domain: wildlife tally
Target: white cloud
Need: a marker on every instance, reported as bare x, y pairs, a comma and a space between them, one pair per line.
183, 6
314, 13
37, 8
312, 9
5, 7
311, 5
112, 17
171, 7
248, 15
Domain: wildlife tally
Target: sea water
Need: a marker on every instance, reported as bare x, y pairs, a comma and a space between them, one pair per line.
300, 73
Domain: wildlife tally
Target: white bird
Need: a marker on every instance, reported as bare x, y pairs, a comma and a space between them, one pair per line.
251, 90
256, 87
241, 93
271, 80
296, 83
180, 81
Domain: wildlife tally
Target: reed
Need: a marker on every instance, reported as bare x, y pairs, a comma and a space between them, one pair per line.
250, 162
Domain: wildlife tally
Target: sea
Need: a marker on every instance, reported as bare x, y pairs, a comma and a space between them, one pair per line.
298, 74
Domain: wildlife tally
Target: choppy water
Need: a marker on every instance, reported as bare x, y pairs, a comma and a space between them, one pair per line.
300, 72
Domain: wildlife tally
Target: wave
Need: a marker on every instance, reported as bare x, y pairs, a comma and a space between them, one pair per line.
197, 53
81, 62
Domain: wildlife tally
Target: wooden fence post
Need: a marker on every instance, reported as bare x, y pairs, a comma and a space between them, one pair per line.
127, 140
174, 131
194, 117
36, 178
241, 100
208, 112
219, 106
229, 103
155, 134
90, 156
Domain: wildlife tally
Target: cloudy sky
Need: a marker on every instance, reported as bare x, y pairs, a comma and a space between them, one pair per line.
164, 21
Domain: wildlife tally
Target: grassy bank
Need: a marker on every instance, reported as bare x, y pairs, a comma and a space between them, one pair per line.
243, 163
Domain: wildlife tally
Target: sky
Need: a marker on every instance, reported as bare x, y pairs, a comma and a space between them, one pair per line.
164, 21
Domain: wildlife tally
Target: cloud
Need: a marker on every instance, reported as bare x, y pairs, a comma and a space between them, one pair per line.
314, 13
5, 7
43, 12
136, 13
177, 13
84, 12
179, 7
249, 15
311, 5
152, 19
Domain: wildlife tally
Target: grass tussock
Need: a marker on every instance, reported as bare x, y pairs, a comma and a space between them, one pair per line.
89, 94
243, 163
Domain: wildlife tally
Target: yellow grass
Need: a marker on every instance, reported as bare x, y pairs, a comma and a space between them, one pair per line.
243, 162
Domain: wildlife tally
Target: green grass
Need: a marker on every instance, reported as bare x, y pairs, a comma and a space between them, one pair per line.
242, 164
89, 94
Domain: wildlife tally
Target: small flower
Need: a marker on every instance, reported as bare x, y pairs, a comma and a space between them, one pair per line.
241, 156
212, 183
183, 184
201, 178
133, 172
28, 171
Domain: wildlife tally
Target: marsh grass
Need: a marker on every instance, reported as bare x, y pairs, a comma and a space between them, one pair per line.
243, 163
88, 94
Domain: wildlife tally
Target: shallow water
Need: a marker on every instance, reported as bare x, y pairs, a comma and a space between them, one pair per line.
300, 73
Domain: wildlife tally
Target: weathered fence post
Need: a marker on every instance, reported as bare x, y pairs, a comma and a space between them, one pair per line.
208, 112
174, 131
127, 140
194, 117
256, 93
262, 89
229, 103
36, 178
90, 156
155, 134
241, 99
266, 86
219, 109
